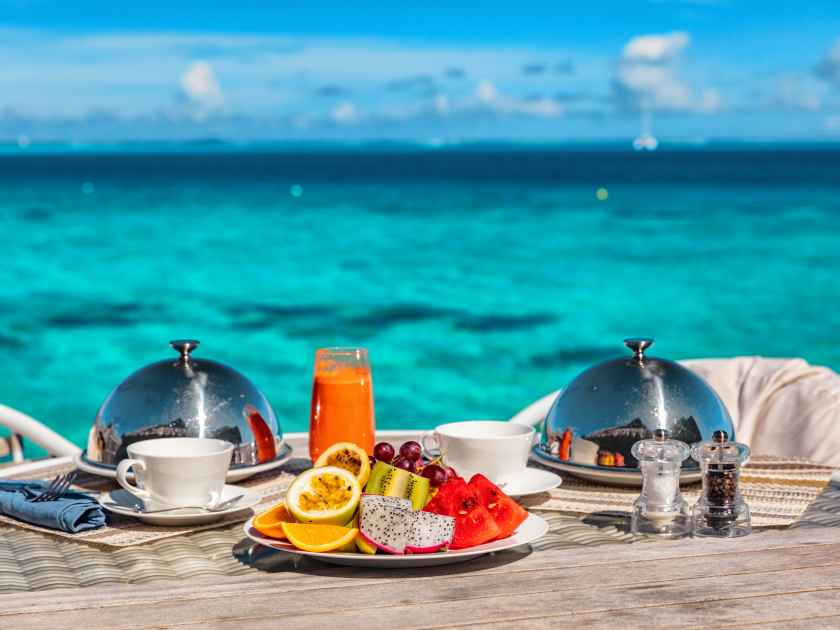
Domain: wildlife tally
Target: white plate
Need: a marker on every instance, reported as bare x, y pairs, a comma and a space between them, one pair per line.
628, 478
122, 503
233, 475
532, 481
531, 529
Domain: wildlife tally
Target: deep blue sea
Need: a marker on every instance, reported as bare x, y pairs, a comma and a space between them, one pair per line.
479, 277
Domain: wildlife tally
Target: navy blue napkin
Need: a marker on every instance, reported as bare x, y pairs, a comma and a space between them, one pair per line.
73, 512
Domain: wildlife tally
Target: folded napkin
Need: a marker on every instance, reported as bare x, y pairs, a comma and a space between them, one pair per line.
73, 512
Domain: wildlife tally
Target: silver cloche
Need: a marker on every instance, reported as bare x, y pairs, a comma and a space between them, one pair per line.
598, 416
186, 397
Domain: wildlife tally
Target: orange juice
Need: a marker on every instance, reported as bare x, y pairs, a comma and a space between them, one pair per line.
342, 400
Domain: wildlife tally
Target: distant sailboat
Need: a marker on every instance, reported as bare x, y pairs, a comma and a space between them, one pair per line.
645, 141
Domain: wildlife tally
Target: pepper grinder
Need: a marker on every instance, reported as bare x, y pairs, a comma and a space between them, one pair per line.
661, 508
721, 511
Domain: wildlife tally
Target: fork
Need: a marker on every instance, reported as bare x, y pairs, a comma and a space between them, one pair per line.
56, 488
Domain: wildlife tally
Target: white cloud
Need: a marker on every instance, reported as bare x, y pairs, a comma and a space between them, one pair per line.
539, 108
488, 98
656, 48
648, 76
795, 92
442, 104
486, 92
653, 86
200, 86
344, 112
709, 100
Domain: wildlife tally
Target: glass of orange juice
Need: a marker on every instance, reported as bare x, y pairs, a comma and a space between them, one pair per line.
342, 400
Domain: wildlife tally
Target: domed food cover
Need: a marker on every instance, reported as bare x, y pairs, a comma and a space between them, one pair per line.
597, 418
185, 397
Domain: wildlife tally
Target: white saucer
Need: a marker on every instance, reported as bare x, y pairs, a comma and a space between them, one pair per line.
123, 503
531, 481
233, 475
531, 529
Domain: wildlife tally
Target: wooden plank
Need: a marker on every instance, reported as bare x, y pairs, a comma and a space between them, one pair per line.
756, 614
594, 587
714, 601
559, 575
681, 553
779, 610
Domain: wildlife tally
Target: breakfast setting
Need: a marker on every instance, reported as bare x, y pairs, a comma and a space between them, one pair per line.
635, 448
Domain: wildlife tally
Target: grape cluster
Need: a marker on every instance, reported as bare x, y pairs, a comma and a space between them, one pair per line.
410, 458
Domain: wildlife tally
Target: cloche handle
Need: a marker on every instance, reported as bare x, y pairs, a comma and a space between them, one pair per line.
638, 345
184, 347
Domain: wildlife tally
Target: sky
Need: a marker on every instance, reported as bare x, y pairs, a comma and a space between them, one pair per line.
689, 70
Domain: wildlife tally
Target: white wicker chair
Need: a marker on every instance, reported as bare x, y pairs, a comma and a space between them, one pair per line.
25, 428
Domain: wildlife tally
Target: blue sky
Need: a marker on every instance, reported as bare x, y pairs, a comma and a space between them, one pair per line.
697, 69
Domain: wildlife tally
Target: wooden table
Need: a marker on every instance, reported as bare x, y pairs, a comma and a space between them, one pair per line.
771, 579
775, 579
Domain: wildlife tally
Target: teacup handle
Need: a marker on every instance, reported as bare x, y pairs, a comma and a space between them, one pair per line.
122, 470
431, 451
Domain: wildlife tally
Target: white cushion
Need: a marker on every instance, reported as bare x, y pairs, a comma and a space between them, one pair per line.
779, 406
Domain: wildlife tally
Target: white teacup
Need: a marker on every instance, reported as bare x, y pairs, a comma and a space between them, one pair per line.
497, 449
177, 471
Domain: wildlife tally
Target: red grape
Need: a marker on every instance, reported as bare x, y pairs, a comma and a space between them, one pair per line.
450, 473
372, 460
404, 463
384, 452
435, 474
411, 451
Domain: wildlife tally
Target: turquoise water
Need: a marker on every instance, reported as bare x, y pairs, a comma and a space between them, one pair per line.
479, 280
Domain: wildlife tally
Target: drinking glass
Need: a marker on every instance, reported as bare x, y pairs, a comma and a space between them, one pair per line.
342, 400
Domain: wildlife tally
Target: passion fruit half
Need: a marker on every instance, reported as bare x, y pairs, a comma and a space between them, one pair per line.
348, 456
327, 496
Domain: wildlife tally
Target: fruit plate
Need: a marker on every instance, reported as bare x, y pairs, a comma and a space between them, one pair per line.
531, 529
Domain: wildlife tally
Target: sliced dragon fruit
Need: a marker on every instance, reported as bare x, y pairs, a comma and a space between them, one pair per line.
429, 532
385, 522
379, 499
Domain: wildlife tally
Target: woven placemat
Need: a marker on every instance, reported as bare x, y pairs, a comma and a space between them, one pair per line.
778, 491
125, 532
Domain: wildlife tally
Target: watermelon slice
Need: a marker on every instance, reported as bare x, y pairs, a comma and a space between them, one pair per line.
441, 503
474, 525
507, 513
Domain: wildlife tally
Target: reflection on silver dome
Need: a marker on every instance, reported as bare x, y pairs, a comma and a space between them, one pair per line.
597, 417
186, 397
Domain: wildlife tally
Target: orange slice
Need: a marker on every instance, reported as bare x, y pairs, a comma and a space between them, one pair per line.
319, 538
269, 523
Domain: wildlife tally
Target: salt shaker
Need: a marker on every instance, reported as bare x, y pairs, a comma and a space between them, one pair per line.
721, 511
661, 508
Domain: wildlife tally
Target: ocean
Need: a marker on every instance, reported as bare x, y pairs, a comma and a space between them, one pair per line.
479, 277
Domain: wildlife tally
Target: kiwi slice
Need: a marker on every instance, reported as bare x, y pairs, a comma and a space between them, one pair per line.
396, 482
417, 490
387, 480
